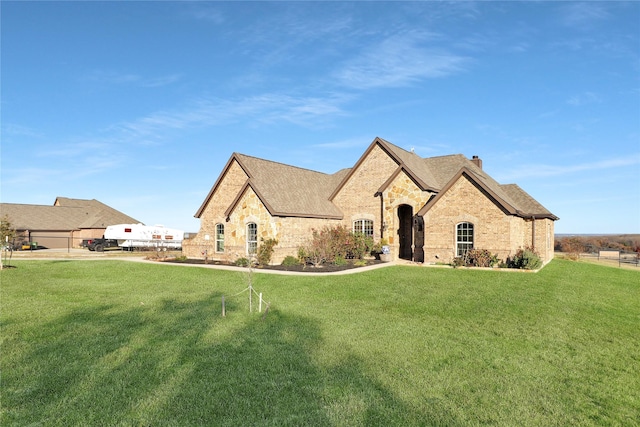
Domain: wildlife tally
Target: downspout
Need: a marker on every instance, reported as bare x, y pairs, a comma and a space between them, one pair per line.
533, 234
382, 224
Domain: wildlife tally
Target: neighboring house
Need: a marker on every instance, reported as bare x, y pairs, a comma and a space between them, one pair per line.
63, 225
428, 209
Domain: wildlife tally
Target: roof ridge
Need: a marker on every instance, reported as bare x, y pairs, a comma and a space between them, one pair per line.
287, 165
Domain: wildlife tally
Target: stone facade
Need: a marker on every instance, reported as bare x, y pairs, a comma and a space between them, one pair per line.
380, 188
401, 191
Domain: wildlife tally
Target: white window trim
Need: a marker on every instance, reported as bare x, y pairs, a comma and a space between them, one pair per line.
458, 242
248, 242
217, 239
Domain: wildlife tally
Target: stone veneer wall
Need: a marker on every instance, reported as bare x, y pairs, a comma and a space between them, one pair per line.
229, 187
402, 191
290, 232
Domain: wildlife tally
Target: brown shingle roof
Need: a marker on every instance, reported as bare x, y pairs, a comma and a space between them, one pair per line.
526, 203
65, 215
292, 191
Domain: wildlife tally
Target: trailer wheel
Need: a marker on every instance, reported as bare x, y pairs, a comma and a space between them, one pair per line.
99, 248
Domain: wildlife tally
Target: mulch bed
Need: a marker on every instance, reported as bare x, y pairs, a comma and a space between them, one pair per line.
325, 268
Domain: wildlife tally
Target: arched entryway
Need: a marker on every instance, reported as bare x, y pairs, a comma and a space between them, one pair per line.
405, 232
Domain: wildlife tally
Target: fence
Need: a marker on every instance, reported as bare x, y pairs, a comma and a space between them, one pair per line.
615, 256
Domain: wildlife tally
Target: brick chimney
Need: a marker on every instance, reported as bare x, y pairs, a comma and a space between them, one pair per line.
477, 161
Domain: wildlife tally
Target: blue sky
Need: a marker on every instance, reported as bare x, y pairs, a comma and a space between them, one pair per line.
141, 104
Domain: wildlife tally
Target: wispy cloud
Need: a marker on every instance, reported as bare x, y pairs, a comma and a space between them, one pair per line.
545, 171
119, 78
12, 129
205, 11
398, 61
345, 143
266, 108
583, 15
583, 99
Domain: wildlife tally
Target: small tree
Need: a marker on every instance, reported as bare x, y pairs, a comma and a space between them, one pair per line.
7, 235
265, 251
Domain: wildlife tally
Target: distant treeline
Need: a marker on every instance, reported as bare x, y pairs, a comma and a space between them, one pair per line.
593, 243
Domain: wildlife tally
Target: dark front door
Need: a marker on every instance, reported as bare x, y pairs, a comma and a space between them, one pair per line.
405, 232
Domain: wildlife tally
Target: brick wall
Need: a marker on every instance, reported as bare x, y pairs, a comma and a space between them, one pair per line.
464, 202
356, 198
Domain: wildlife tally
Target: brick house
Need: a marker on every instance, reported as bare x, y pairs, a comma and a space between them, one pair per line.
428, 209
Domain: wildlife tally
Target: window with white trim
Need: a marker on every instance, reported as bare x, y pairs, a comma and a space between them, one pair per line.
219, 237
364, 226
252, 238
464, 238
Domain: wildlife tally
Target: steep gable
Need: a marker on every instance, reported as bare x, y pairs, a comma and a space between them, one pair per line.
284, 190
401, 159
511, 199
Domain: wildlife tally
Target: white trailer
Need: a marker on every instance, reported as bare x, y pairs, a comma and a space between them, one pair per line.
145, 236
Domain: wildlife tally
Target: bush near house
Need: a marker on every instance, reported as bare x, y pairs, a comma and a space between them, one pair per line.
265, 251
524, 259
476, 258
334, 244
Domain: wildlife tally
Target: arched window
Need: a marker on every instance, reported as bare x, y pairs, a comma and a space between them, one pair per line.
252, 238
364, 226
464, 238
219, 237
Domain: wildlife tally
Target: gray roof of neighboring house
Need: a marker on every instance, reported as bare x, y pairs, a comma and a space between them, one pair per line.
291, 191
66, 214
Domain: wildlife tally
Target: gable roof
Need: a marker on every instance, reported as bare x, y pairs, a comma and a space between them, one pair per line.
411, 163
65, 215
512, 199
291, 191
284, 190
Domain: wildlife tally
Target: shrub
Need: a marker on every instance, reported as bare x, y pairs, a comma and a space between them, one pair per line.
242, 262
339, 260
316, 250
476, 258
290, 261
481, 258
458, 262
334, 243
526, 259
358, 245
265, 251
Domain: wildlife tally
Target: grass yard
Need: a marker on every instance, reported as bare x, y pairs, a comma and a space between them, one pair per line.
125, 343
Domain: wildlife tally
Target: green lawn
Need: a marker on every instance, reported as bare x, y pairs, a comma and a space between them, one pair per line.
124, 343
